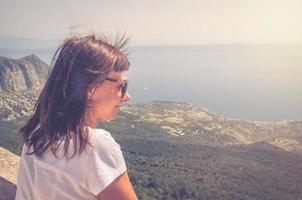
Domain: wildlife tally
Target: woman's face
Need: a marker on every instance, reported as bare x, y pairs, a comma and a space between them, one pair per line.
106, 99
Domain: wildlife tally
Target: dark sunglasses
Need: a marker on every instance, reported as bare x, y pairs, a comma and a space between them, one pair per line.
124, 85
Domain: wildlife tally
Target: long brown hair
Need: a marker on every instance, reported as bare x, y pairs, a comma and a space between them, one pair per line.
60, 111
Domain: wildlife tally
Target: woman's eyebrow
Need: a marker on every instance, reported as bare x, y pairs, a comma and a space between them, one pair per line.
119, 79
122, 80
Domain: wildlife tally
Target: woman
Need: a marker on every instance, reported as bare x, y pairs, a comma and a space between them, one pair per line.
64, 155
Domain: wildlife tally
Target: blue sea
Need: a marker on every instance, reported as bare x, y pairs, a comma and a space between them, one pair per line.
248, 82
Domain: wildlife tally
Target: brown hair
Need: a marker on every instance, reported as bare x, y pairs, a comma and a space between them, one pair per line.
60, 111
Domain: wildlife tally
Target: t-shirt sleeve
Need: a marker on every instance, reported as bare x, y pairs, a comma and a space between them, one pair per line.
105, 164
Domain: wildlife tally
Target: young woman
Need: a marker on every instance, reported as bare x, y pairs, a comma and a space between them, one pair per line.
64, 155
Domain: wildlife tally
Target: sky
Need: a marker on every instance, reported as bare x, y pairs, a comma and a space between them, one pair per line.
156, 22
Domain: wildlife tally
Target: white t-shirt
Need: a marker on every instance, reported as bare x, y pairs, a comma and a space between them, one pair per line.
82, 177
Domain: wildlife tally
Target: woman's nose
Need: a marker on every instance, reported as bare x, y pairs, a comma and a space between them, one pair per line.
126, 97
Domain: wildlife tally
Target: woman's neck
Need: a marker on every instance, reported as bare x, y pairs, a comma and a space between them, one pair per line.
91, 121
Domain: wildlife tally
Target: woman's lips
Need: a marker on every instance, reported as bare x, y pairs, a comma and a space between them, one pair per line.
119, 106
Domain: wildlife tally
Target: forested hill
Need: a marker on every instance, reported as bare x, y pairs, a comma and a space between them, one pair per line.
179, 151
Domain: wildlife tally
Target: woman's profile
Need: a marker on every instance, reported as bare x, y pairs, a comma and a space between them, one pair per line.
65, 155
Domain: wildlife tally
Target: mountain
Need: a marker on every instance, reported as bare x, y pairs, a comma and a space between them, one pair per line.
27, 73
20, 82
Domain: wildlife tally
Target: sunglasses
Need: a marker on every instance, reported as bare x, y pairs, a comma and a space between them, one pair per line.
124, 85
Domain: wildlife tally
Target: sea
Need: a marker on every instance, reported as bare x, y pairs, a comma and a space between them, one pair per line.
259, 82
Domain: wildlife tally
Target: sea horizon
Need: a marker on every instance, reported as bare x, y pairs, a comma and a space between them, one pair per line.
255, 82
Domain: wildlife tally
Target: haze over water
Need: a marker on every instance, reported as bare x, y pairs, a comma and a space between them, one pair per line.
258, 82
250, 82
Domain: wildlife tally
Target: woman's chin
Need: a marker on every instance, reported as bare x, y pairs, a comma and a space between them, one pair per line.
114, 116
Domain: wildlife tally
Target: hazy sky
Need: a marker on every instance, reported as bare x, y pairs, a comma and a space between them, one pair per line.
158, 21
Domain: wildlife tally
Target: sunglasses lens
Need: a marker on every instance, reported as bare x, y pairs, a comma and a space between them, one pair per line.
124, 89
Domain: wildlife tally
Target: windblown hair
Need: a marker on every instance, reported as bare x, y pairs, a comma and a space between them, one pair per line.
78, 65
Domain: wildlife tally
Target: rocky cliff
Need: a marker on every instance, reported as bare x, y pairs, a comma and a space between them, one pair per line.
9, 165
20, 82
28, 73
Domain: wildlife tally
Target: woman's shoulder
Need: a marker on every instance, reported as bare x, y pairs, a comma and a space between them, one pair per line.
102, 139
99, 134
105, 163
99, 131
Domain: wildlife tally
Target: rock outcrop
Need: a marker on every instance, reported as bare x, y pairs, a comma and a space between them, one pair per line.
9, 165
20, 83
28, 73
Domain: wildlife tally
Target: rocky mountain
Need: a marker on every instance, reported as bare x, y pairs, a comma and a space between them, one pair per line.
27, 73
20, 82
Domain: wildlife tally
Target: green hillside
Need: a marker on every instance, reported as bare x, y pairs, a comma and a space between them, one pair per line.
225, 159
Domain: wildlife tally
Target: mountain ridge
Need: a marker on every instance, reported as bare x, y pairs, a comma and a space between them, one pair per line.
27, 73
